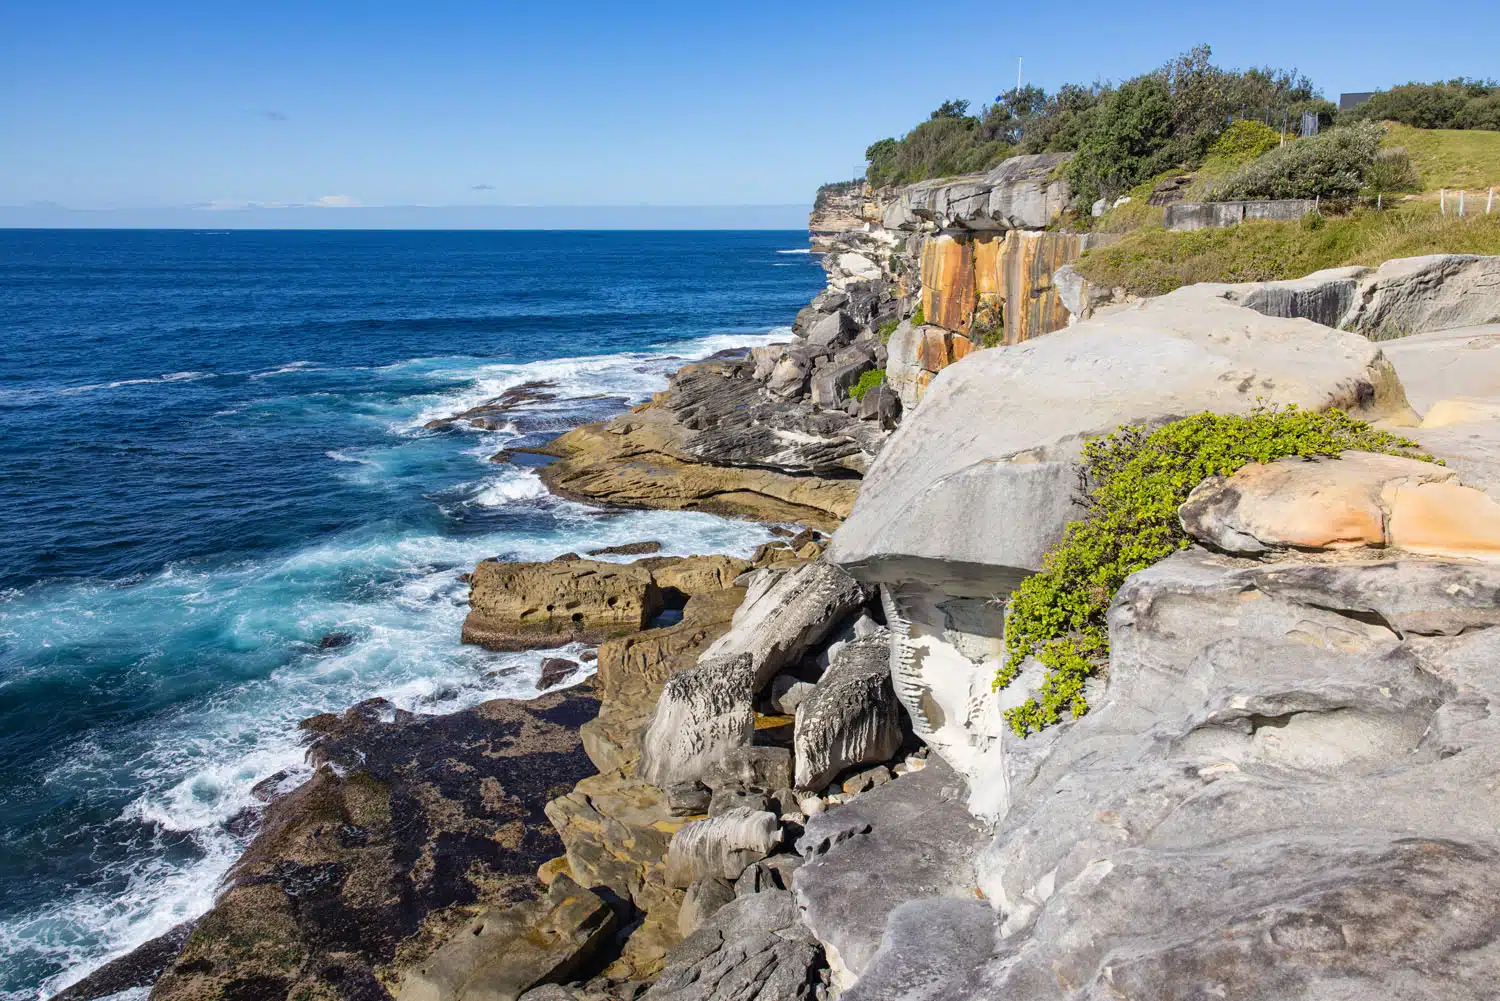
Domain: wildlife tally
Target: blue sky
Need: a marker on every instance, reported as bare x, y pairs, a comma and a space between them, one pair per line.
152, 105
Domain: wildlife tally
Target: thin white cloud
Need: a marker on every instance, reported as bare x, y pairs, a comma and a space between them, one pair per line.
238, 205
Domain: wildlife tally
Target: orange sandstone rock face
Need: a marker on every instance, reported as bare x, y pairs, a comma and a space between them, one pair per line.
1358, 499
948, 277
958, 272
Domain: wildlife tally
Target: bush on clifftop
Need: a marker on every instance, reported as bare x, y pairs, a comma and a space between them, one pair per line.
1455, 104
1332, 164
1135, 480
1123, 133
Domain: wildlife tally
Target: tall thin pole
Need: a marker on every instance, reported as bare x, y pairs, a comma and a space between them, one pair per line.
1018, 76
1460, 203
1443, 200
1489, 202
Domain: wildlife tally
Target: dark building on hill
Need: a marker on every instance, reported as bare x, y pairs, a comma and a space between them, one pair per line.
1347, 101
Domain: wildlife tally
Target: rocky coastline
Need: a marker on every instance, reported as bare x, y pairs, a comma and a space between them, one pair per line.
790, 776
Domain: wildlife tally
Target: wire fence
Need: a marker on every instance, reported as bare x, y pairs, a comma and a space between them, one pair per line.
1466, 202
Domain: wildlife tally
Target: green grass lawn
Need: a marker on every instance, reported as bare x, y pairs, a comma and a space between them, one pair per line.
1450, 158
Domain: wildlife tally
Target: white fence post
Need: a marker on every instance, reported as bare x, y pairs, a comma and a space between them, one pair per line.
1443, 200
1460, 203
1489, 202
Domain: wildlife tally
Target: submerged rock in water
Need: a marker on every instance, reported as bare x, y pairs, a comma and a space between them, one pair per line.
628, 549
556, 670
138, 968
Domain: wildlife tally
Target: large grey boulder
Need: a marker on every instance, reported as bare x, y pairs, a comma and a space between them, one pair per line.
1417, 294
721, 846
751, 949
832, 331
788, 377
786, 613
1274, 797
831, 385
909, 839
956, 488
700, 902
852, 717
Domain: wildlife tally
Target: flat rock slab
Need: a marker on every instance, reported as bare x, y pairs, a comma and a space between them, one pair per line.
1446, 363
520, 606
909, 839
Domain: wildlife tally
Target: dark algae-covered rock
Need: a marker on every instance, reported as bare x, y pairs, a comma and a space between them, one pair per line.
366, 867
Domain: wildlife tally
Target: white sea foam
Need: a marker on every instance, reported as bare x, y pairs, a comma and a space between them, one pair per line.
166, 377
799, 250
511, 487
338, 456
287, 369
634, 375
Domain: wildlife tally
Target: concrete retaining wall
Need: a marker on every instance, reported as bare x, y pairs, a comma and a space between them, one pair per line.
1215, 215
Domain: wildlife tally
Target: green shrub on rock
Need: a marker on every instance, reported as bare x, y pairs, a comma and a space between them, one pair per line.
867, 381
1245, 140
1136, 479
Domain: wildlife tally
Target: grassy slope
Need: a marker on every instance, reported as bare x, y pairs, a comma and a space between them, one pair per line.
1450, 158
1151, 261
1154, 261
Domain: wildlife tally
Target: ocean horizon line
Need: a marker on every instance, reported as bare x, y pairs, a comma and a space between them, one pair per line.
417, 217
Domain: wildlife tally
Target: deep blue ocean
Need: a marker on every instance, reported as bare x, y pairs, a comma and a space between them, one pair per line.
212, 456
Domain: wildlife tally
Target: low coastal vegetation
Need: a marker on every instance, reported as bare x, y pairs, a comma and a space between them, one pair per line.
1136, 479
1154, 261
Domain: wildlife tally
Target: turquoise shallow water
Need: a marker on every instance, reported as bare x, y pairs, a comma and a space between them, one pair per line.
213, 455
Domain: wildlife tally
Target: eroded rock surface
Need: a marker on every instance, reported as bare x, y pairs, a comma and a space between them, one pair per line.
504, 952
369, 864
715, 441
751, 949
708, 711
851, 717
1356, 499
910, 839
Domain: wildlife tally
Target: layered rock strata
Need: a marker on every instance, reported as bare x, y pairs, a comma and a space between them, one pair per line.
719, 441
